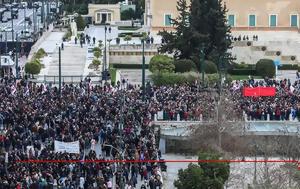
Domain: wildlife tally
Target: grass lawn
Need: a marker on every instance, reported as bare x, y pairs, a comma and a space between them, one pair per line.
244, 77
129, 28
113, 74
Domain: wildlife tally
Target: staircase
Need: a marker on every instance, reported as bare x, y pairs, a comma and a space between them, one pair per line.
273, 45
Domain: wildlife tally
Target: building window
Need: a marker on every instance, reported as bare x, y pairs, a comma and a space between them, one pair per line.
109, 17
231, 21
98, 19
294, 20
252, 20
273, 20
168, 20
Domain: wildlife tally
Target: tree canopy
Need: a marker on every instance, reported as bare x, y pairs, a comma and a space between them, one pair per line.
161, 63
204, 175
202, 25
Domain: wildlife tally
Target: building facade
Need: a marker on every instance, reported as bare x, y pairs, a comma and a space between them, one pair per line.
241, 15
104, 13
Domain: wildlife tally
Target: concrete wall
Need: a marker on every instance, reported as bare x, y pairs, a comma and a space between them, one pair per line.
261, 8
131, 54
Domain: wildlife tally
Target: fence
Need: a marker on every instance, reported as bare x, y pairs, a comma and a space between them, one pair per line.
66, 79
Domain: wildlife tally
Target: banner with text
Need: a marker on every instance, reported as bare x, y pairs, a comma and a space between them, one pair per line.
259, 91
69, 147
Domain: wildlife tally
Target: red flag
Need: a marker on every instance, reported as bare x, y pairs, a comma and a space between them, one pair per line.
259, 91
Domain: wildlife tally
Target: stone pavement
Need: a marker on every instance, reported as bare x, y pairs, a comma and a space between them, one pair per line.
134, 76
72, 62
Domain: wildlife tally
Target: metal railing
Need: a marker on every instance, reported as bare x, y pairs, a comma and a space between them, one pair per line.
54, 79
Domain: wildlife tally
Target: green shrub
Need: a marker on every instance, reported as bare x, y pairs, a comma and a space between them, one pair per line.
33, 67
96, 49
129, 66
242, 72
96, 63
127, 38
80, 23
265, 68
288, 67
210, 67
97, 54
162, 79
184, 65
39, 54
161, 63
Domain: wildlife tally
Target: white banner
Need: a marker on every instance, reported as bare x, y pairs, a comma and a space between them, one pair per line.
160, 115
69, 147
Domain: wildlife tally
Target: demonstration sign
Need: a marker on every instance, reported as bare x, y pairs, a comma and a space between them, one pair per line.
69, 147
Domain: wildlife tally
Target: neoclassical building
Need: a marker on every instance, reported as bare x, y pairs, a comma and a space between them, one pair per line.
241, 15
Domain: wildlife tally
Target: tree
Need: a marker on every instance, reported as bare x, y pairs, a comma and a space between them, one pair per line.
127, 38
33, 67
178, 42
202, 25
96, 63
205, 174
184, 65
97, 54
128, 14
80, 23
161, 63
209, 28
265, 68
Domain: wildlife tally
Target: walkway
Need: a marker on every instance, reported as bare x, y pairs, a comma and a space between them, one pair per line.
72, 63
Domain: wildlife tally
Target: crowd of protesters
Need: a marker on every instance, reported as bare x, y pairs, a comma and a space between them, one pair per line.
115, 119
284, 105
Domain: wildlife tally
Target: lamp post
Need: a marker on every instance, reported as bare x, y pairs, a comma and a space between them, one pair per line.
43, 11
202, 62
25, 21
17, 58
12, 24
104, 65
59, 71
5, 42
143, 68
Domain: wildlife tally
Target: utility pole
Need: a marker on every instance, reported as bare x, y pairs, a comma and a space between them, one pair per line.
25, 20
202, 62
143, 69
43, 11
12, 24
59, 70
17, 56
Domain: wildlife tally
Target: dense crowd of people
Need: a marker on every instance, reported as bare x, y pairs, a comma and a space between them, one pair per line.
284, 105
114, 120
112, 123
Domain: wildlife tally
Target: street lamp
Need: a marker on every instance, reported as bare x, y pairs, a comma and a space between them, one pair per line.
17, 58
143, 68
104, 70
12, 23
202, 62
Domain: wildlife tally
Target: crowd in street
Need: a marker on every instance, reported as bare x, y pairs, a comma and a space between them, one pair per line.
112, 123
114, 120
283, 106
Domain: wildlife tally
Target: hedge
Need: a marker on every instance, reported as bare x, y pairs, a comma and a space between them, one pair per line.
184, 65
265, 68
288, 67
162, 79
129, 66
242, 72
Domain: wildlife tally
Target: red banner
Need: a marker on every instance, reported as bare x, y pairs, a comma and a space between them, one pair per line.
259, 91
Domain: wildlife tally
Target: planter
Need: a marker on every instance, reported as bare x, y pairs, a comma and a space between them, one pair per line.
293, 58
264, 48
249, 43
278, 53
